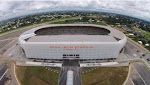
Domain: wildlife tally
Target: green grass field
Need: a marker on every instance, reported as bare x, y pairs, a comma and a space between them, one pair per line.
55, 21
105, 76
22, 28
99, 23
36, 76
38, 24
145, 33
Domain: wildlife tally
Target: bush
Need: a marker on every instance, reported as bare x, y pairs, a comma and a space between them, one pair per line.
143, 41
148, 47
148, 41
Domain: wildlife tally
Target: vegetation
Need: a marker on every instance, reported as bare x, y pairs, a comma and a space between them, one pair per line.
147, 47
141, 35
91, 17
37, 76
115, 20
65, 22
16, 30
145, 33
55, 21
105, 76
26, 22
71, 21
99, 23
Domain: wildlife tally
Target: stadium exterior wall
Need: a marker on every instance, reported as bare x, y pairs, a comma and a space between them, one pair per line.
61, 50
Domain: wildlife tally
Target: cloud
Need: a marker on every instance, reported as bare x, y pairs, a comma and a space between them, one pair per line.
136, 8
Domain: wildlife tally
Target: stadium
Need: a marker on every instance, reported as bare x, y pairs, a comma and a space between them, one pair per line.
72, 41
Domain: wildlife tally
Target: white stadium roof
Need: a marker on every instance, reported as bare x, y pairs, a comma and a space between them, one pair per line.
72, 38
30, 36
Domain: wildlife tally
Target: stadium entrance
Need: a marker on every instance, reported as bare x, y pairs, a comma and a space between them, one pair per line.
71, 56
68, 62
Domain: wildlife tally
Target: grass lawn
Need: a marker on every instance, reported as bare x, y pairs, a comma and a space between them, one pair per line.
99, 23
37, 25
62, 21
36, 76
145, 33
65, 22
22, 28
105, 76
55, 21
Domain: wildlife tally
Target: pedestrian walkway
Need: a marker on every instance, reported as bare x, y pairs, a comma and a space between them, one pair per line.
68, 62
70, 65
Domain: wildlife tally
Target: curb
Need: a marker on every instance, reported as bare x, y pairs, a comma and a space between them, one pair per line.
15, 74
127, 75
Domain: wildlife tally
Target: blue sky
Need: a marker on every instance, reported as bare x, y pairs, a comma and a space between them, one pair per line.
136, 8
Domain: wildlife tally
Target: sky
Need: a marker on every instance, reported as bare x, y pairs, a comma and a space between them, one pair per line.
135, 8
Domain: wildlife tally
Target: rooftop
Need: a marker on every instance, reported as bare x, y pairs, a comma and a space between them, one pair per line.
72, 38
72, 30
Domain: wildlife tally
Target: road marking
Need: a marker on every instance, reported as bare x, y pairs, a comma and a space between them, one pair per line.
9, 39
127, 55
140, 75
134, 51
8, 45
134, 55
3, 74
132, 81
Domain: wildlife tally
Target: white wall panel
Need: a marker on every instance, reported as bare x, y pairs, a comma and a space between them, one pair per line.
99, 51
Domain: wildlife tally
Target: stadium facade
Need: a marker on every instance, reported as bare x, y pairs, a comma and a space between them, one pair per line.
72, 41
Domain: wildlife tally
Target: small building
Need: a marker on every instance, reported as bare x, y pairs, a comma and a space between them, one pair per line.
131, 34
140, 42
146, 44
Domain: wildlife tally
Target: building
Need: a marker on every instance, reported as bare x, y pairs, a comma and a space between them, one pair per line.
72, 41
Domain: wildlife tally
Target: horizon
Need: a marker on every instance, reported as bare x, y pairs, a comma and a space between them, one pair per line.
133, 8
73, 11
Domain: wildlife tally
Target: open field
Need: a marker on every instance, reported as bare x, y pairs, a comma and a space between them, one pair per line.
99, 23
35, 25
64, 19
37, 75
30, 26
55, 21
145, 33
21, 28
105, 76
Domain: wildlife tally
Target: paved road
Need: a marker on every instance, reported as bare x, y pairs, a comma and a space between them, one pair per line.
4, 73
70, 65
5, 43
76, 75
143, 71
13, 76
5, 47
68, 62
131, 48
140, 74
3, 69
7, 70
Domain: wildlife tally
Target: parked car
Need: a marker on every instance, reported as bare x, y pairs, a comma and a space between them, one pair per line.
148, 59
